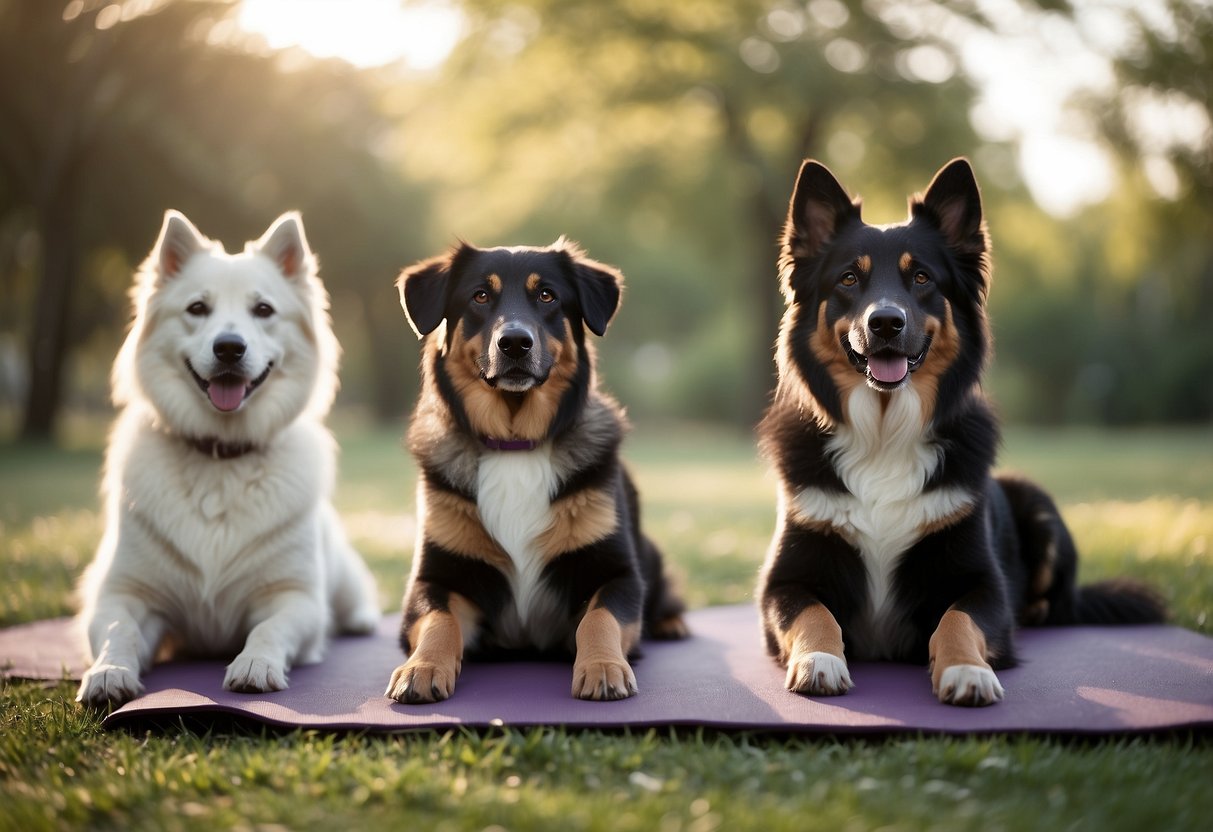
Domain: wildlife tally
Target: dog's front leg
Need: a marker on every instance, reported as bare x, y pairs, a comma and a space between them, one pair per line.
123, 635
810, 644
437, 624
960, 668
287, 625
608, 631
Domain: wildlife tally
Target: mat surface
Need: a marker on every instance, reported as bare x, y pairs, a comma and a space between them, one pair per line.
1080, 680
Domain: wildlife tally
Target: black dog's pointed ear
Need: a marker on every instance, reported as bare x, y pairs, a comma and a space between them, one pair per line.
423, 291
598, 286
818, 210
953, 202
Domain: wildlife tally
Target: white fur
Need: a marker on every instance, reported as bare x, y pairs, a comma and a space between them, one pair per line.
818, 673
240, 557
514, 496
885, 459
969, 684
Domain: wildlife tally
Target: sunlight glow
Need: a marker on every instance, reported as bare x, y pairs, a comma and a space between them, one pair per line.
365, 33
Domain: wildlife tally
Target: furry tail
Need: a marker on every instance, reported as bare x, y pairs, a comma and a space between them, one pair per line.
1118, 601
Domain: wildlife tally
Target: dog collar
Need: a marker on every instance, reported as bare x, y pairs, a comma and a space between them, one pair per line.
216, 448
509, 444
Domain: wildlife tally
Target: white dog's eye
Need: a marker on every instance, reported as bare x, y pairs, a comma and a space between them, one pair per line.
263, 310
198, 309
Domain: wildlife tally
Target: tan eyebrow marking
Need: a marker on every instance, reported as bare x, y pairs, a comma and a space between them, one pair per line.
495, 282
532, 283
864, 263
906, 262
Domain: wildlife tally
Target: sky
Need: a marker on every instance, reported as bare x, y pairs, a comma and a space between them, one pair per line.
1024, 74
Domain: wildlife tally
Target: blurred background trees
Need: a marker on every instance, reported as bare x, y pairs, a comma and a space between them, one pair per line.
663, 136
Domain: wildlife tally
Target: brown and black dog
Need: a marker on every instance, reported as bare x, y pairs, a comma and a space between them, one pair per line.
894, 541
529, 535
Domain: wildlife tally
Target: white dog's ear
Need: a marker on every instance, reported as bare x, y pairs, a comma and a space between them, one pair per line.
285, 244
178, 241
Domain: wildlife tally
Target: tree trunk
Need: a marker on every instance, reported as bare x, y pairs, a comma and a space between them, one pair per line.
48, 340
393, 359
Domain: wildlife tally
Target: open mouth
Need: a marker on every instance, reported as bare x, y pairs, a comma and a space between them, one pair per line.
514, 380
885, 369
227, 391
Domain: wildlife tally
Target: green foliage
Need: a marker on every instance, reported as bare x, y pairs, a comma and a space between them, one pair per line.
664, 136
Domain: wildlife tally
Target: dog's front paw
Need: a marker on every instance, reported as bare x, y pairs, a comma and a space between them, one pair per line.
603, 679
419, 681
818, 674
968, 684
108, 684
250, 673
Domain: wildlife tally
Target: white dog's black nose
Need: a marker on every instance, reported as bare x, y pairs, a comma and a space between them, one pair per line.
515, 342
229, 348
887, 322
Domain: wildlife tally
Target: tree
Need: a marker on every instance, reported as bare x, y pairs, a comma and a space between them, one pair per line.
695, 115
113, 113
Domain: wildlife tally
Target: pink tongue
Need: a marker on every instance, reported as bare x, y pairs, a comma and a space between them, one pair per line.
889, 370
226, 396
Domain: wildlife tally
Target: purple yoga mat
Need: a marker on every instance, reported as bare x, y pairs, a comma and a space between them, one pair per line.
1076, 680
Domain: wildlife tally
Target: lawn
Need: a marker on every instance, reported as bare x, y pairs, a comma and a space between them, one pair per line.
1139, 503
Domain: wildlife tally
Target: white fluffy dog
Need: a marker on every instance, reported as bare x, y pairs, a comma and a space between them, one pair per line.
220, 539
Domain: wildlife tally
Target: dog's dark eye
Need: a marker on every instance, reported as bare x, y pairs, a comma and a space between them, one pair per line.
848, 279
263, 310
546, 296
921, 277
481, 296
198, 309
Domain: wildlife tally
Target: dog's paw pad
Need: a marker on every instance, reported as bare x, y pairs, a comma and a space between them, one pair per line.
417, 682
818, 674
970, 685
254, 674
603, 680
108, 684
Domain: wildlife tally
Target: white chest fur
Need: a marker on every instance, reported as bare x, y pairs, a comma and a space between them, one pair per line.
514, 497
884, 457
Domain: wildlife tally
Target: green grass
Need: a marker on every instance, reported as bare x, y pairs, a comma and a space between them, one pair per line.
1139, 503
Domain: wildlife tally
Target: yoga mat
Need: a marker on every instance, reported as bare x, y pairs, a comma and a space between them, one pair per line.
1072, 680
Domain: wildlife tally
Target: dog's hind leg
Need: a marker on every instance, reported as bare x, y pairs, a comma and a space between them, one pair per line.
353, 594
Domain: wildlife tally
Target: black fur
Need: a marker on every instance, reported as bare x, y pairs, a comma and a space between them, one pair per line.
476, 292
1006, 554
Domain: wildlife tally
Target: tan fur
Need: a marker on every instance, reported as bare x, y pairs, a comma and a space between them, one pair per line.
826, 345
945, 348
436, 657
956, 641
670, 628
454, 524
864, 263
579, 520
502, 415
495, 283
601, 669
532, 282
905, 262
814, 631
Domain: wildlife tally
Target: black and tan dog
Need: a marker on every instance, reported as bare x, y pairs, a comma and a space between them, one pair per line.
894, 541
529, 529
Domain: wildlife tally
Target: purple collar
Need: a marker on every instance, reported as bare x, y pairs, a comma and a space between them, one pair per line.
509, 444
216, 448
